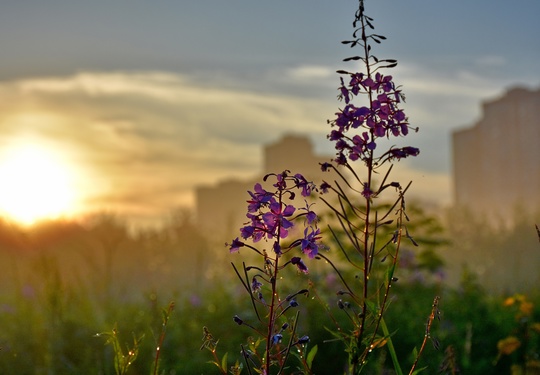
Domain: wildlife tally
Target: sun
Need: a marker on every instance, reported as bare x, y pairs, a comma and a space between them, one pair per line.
35, 184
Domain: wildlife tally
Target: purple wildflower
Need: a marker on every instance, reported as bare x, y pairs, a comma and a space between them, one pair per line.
255, 231
277, 247
311, 216
276, 219
324, 187
309, 244
235, 245
247, 231
344, 92
341, 159
303, 184
381, 118
276, 339
325, 167
281, 182
303, 340
298, 262
362, 144
259, 198
366, 191
255, 284
403, 152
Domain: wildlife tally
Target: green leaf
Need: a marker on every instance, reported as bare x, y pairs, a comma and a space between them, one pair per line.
419, 370
311, 355
390, 273
372, 307
224, 361
415, 352
391, 349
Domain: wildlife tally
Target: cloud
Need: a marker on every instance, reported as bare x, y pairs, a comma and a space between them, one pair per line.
446, 98
311, 72
145, 139
438, 95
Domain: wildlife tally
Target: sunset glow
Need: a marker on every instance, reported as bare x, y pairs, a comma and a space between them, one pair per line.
178, 107
35, 184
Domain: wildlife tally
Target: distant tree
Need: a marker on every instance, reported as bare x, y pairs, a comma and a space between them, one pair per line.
107, 232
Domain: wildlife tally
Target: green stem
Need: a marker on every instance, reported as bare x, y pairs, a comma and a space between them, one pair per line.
391, 348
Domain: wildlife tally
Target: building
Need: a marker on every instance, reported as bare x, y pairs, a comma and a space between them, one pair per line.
497, 160
497, 194
221, 208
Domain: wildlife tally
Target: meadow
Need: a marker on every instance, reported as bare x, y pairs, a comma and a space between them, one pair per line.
63, 283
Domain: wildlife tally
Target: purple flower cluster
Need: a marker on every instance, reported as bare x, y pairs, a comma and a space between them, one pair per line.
403, 152
383, 117
272, 215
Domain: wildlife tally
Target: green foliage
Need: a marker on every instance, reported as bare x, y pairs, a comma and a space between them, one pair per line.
49, 319
210, 343
311, 356
521, 347
122, 359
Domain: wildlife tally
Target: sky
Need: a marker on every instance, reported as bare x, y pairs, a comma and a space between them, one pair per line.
142, 101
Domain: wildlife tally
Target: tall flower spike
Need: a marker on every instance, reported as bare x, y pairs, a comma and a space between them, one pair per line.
380, 116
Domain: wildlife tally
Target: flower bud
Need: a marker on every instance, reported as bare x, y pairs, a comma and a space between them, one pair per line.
303, 340
276, 339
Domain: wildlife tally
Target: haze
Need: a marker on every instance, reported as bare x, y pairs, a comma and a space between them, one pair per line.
147, 100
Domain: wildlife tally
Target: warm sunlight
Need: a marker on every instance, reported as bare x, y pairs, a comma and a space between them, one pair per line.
34, 184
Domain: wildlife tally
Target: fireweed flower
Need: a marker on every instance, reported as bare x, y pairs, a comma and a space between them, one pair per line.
401, 153
255, 284
299, 263
274, 222
303, 340
304, 184
277, 247
276, 219
366, 191
361, 144
324, 187
325, 167
310, 215
381, 118
271, 216
309, 244
256, 231
235, 245
276, 339
259, 198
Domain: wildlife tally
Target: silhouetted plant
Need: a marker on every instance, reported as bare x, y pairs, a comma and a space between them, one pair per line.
361, 208
361, 216
273, 221
166, 314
